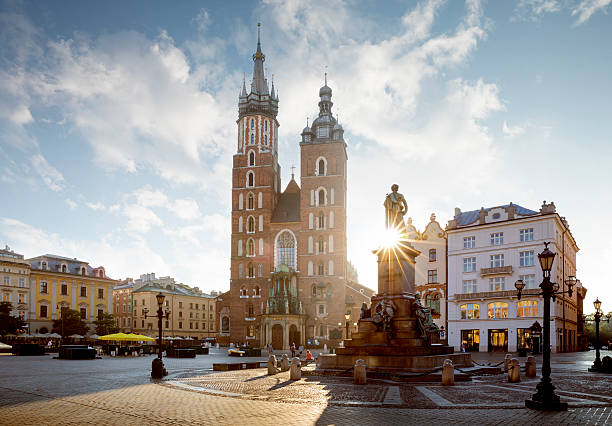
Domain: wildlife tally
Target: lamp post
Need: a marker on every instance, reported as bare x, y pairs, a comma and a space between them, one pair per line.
596, 367
347, 317
545, 397
157, 366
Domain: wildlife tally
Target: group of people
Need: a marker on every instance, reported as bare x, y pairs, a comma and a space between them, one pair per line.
294, 351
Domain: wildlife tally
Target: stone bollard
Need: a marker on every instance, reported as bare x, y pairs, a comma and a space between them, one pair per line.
448, 373
507, 362
295, 372
272, 369
514, 372
530, 366
359, 374
284, 363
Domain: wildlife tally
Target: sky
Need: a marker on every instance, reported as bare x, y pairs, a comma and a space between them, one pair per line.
117, 120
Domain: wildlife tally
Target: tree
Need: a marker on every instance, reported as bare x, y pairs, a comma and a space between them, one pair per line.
8, 323
106, 325
70, 323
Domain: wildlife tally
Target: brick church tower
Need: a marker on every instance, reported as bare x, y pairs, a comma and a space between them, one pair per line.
288, 279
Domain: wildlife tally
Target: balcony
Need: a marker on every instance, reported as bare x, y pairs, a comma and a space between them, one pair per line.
497, 270
505, 294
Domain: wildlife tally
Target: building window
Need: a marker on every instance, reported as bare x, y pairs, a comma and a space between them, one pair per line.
321, 246
180, 314
252, 139
433, 256
527, 308
526, 234
497, 238
22, 282
21, 298
240, 271
64, 289
43, 311
250, 202
259, 270
225, 324
100, 293
266, 140
432, 276
469, 286
190, 314
497, 260
321, 221
250, 271
7, 280
252, 123
243, 292
321, 167
43, 287
470, 311
527, 258
321, 269
321, 197
167, 325
83, 291
529, 280
251, 312
432, 301
250, 331
266, 125
251, 158
250, 247
100, 314
43, 266
180, 324
180, 304
256, 291
83, 313
469, 242
250, 179
498, 310
251, 225
321, 309
203, 326
469, 264
497, 283
286, 250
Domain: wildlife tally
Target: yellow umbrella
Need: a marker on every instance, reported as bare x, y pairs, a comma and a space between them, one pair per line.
140, 338
115, 336
122, 337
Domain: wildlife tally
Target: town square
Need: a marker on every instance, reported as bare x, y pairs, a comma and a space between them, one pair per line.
305, 212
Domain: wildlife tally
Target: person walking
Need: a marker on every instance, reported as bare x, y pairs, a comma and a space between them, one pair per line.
293, 350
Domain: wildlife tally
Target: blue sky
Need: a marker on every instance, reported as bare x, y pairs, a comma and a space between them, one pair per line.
117, 120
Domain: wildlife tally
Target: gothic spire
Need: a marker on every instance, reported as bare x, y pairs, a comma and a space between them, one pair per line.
259, 85
243, 93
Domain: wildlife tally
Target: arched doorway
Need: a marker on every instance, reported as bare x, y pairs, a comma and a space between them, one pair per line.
277, 336
294, 335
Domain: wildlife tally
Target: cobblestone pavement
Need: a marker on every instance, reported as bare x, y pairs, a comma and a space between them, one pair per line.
40, 391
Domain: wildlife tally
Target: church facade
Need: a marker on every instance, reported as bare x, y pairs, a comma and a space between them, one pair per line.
288, 279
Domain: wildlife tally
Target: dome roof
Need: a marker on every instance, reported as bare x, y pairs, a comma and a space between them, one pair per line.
338, 126
322, 119
306, 130
325, 90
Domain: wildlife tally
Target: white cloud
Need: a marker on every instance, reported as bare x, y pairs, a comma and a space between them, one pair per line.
71, 204
140, 219
147, 197
21, 115
96, 206
512, 131
532, 10
186, 209
586, 8
49, 174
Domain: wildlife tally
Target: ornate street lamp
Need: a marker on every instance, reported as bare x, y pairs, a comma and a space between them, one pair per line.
157, 367
545, 397
596, 367
347, 317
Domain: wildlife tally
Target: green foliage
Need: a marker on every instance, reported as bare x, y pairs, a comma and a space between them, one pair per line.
8, 323
72, 323
106, 325
605, 331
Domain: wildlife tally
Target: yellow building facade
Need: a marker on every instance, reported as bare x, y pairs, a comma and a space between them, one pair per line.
58, 282
14, 282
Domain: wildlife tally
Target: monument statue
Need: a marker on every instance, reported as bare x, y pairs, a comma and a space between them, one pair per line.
424, 319
395, 209
383, 313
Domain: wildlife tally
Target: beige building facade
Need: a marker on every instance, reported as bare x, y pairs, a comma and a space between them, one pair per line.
14, 282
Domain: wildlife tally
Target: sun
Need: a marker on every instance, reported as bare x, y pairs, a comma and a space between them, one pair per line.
390, 238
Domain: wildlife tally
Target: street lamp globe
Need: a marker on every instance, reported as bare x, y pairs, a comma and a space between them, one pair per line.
347, 316
519, 285
597, 305
546, 259
160, 298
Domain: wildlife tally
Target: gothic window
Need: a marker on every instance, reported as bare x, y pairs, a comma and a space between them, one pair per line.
310, 245
251, 312
243, 291
250, 179
252, 139
266, 125
251, 225
320, 247
250, 202
240, 201
310, 268
256, 290
321, 269
321, 167
321, 224
252, 123
286, 249
259, 272
321, 197
250, 247
314, 289
225, 324
251, 158
250, 271
265, 139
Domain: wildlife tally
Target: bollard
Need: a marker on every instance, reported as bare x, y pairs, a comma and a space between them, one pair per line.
272, 365
448, 373
507, 362
295, 372
530, 366
514, 372
359, 375
284, 363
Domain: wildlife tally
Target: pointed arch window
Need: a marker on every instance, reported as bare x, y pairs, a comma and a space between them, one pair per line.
321, 224
250, 179
286, 249
250, 201
321, 197
321, 247
257, 291
250, 247
266, 125
252, 123
265, 139
243, 292
250, 271
321, 167
251, 158
252, 139
321, 269
251, 225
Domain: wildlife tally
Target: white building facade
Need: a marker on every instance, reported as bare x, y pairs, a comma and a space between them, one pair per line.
488, 250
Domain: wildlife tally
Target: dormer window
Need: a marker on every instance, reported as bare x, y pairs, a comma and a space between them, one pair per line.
43, 266
64, 269
101, 273
83, 271
322, 132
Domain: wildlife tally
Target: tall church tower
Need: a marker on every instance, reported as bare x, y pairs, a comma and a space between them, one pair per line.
255, 193
322, 242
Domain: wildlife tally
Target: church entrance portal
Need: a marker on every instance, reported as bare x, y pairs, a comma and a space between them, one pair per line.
294, 336
277, 336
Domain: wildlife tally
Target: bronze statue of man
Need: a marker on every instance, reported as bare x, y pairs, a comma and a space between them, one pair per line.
395, 209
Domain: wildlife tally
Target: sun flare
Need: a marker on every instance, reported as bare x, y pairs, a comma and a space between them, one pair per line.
390, 238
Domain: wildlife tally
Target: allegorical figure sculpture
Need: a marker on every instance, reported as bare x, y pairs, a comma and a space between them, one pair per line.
383, 313
424, 319
395, 209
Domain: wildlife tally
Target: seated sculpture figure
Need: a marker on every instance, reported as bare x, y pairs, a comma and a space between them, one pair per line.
383, 314
424, 319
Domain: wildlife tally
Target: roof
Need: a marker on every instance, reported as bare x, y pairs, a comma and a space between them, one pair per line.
288, 207
177, 290
73, 265
466, 218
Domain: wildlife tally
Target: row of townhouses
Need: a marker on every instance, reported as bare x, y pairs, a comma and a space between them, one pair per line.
39, 288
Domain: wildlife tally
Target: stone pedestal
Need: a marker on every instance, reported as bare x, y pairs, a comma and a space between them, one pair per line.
359, 374
507, 361
530, 367
514, 372
272, 369
284, 364
448, 373
295, 371
389, 337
